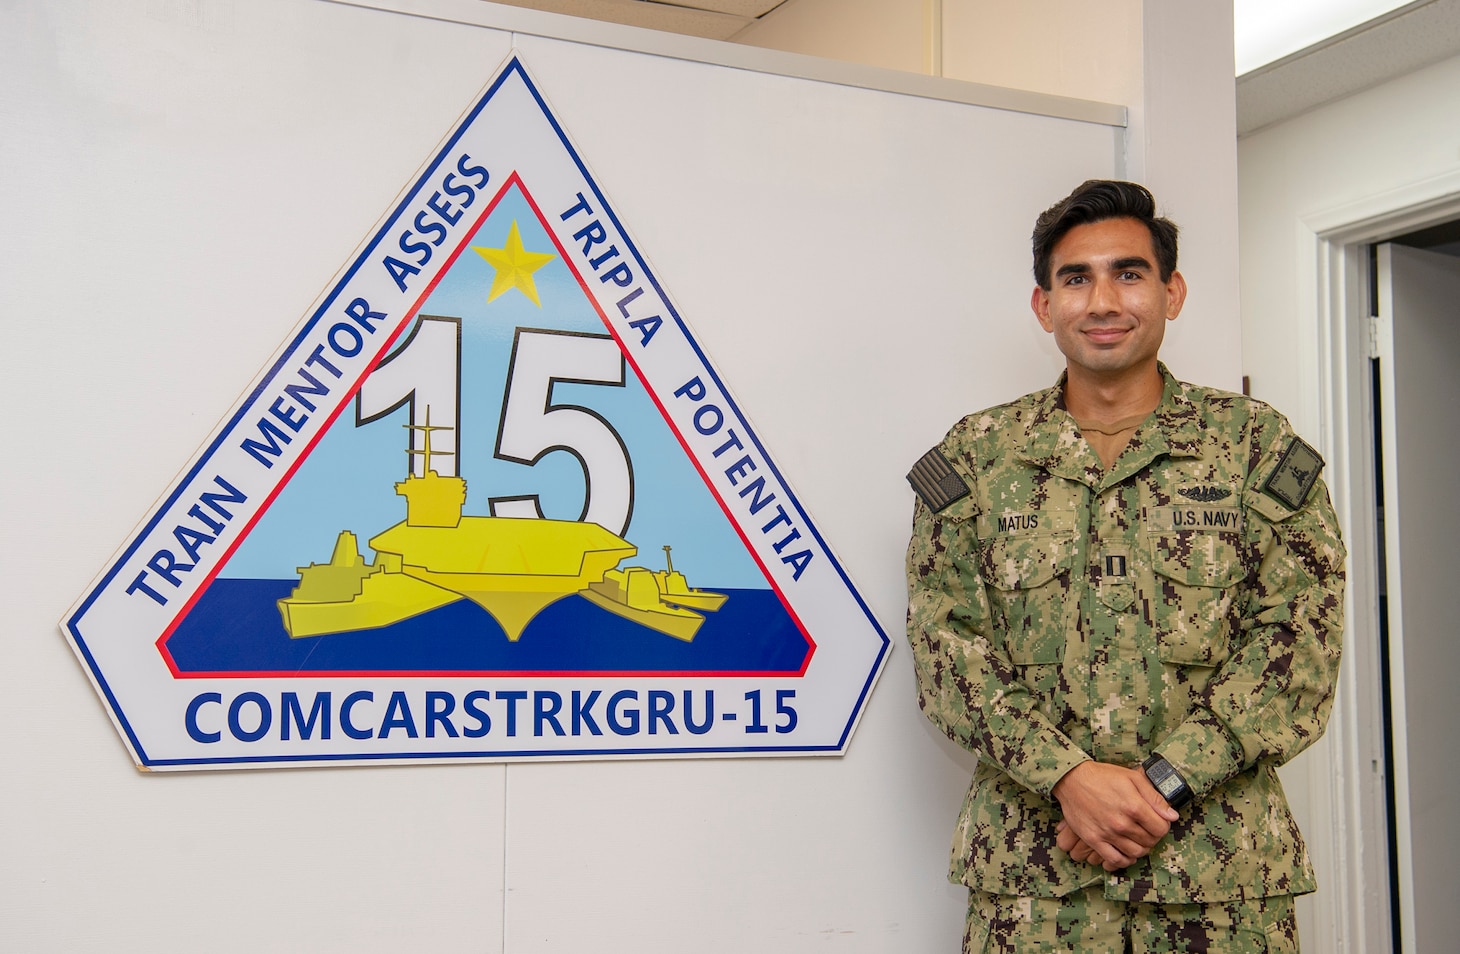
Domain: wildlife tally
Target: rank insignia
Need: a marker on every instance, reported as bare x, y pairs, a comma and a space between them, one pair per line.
1205, 494
1297, 471
934, 480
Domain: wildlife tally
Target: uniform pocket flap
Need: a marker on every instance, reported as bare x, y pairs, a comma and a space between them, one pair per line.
1197, 558
1025, 562
1274, 510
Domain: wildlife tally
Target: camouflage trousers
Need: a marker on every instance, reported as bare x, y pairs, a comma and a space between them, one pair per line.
1085, 922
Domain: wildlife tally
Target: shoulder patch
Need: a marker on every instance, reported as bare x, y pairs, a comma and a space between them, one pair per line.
1297, 471
935, 480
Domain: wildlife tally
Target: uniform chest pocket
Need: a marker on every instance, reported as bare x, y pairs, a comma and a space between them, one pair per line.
1195, 614
1028, 580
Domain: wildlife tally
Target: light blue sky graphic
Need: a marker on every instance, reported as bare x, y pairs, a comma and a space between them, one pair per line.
347, 482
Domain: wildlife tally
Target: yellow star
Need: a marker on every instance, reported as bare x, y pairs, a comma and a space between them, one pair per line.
514, 266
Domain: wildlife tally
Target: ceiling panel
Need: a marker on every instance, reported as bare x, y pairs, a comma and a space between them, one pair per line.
713, 19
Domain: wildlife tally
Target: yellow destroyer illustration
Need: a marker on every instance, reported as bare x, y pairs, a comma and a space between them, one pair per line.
511, 567
661, 599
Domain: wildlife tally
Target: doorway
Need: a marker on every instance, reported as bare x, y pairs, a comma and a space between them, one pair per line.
1349, 798
1415, 397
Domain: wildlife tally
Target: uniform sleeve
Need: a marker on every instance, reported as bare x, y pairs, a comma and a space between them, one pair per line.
1272, 697
966, 686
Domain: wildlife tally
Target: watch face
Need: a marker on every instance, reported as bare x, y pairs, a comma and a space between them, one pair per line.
1168, 786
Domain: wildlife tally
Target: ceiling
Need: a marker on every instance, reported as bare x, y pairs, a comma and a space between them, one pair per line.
1264, 31
1382, 49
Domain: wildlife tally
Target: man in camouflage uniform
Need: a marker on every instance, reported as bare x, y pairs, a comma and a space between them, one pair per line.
1126, 596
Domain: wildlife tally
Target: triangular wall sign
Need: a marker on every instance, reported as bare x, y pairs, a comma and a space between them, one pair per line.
490, 502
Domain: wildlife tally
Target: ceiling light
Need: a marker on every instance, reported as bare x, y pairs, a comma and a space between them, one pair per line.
1268, 30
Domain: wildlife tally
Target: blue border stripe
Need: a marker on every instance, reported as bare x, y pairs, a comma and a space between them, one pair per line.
286, 357
699, 352
506, 754
730, 400
513, 66
73, 623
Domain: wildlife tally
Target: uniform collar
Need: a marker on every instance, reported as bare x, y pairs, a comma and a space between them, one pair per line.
1053, 440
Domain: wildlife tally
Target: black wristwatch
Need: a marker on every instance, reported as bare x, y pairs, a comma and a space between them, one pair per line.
1167, 781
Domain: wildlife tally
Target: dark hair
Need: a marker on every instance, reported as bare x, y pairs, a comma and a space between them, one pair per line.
1095, 201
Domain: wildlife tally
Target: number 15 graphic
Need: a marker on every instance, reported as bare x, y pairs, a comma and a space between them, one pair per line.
425, 373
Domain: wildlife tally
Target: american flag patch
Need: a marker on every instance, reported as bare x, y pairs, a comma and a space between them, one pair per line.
934, 480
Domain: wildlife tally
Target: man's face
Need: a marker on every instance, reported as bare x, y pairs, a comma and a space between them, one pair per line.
1107, 306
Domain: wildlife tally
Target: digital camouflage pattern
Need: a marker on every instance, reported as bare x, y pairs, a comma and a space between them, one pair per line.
1060, 612
1088, 922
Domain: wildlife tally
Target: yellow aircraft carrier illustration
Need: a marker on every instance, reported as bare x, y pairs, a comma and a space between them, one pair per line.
511, 567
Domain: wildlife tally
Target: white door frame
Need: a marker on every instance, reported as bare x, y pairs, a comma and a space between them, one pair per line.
1353, 907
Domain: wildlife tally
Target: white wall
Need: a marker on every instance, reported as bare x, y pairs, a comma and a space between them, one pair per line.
1181, 145
1383, 140
176, 194
184, 159
1168, 61
1371, 156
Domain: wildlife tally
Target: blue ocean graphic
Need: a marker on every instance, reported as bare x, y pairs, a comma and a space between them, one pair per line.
235, 627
